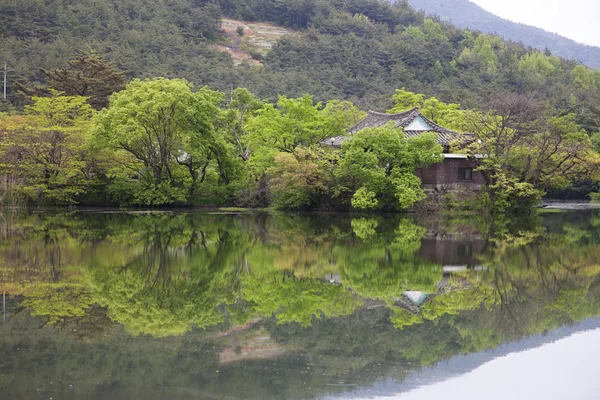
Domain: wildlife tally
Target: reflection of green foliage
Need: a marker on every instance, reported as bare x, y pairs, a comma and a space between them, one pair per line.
363, 227
454, 302
384, 264
177, 280
402, 318
59, 301
385, 276
141, 311
164, 273
298, 300
315, 291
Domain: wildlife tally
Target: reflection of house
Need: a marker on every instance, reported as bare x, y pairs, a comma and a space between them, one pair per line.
412, 301
452, 251
456, 171
456, 253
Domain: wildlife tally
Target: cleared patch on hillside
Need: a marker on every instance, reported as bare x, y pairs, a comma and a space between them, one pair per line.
249, 41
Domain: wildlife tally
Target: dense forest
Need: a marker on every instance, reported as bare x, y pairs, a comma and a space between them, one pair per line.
249, 134
468, 15
357, 50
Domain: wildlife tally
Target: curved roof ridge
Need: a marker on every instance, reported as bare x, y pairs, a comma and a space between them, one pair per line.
403, 120
402, 114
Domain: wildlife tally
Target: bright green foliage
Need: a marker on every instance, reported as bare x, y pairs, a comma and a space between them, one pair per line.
290, 123
405, 100
506, 193
434, 32
381, 161
59, 301
585, 78
415, 32
47, 151
407, 187
169, 134
302, 179
341, 115
483, 55
363, 199
467, 39
447, 115
536, 67
242, 107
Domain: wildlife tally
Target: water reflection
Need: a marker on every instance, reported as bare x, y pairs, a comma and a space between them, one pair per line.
129, 305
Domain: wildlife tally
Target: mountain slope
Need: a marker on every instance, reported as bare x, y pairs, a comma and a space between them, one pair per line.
466, 14
357, 50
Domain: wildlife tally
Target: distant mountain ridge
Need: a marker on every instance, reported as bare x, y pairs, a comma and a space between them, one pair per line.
466, 14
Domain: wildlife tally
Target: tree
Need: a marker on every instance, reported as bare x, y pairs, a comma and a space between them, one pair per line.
378, 166
169, 134
291, 123
302, 179
341, 115
447, 115
483, 55
242, 107
89, 75
524, 151
47, 151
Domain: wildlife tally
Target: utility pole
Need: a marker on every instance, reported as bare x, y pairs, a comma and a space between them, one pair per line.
6, 71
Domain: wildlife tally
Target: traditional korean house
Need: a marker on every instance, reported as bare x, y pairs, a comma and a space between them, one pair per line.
456, 171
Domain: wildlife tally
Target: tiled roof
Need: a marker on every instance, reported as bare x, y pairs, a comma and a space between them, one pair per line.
376, 119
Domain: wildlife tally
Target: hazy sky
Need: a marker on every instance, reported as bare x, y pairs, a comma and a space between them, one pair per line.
575, 19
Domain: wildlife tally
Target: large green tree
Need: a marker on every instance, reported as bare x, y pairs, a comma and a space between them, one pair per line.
378, 166
165, 136
47, 150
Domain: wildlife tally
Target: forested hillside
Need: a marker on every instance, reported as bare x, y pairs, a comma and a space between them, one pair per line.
359, 50
465, 14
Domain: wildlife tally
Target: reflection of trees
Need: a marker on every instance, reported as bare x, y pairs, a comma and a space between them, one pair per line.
299, 300
164, 273
199, 271
178, 278
262, 277
382, 264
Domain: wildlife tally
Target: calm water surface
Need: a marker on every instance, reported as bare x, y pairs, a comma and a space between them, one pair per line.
116, 305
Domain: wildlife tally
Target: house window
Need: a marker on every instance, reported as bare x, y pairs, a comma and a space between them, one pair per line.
465, 174
464, 250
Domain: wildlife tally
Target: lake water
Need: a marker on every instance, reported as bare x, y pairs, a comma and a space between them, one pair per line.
173, 305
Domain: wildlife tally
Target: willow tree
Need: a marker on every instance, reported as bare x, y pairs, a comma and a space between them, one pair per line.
165, 138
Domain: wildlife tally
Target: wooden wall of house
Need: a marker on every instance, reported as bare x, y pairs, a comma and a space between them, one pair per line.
452, 251
444, 176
